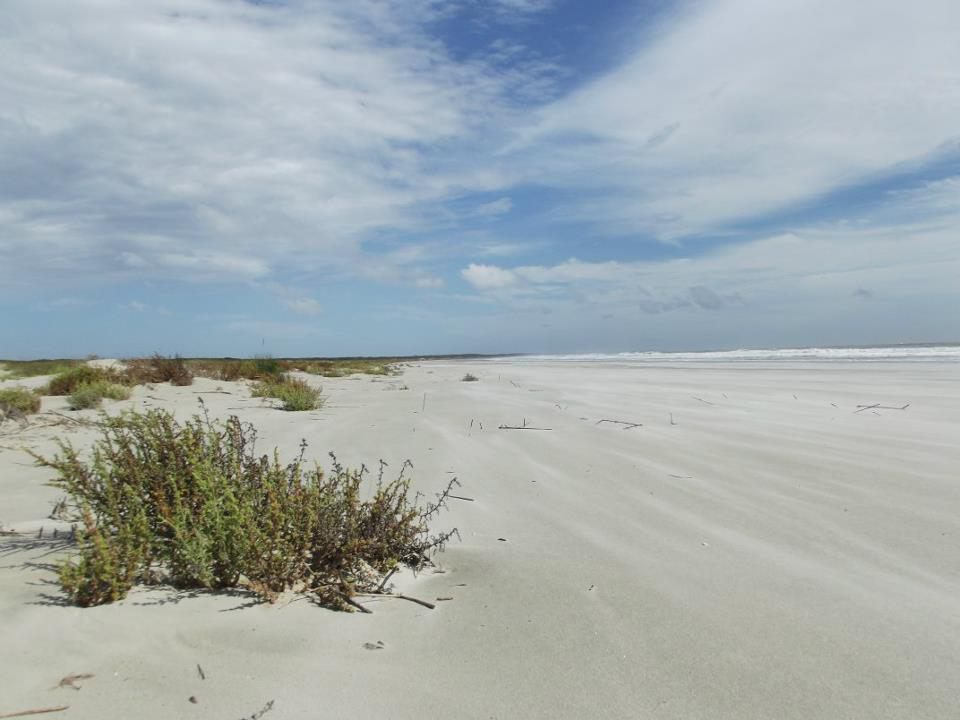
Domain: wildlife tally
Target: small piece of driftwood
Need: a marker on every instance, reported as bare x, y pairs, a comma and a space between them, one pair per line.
882, 407
705, 402
460, 497
521, 427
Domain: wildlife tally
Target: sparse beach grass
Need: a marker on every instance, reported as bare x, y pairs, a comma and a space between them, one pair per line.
192, 504
295, 394
469, 378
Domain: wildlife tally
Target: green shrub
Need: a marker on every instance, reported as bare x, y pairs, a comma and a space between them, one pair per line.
17, 402
32, 368
295, 394
91, 394
192, 504
158, 369
69, 380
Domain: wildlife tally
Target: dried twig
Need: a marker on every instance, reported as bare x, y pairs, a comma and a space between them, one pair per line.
38, 711
350, 601
460, 497
71, 680
521, 427
881, 407
628, 425
261, 712
705, 402
200, 672
418, 601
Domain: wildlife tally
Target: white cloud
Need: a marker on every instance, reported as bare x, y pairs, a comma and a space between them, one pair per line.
817, 266
304, 305
736, 108
487, 277
217, 139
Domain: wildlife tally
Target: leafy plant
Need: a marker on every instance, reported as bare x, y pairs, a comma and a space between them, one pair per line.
295, 394
69, 380
17, 402
91, 394
194, 505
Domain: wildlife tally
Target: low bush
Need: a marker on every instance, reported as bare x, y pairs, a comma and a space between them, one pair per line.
159, 369
192, 504
469, 378
295, 394
91, 394
15, 402
69, 380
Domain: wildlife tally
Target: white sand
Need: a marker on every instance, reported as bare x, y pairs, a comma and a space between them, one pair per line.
768, 556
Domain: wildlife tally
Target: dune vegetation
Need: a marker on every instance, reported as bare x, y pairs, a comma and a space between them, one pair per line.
194, 506
16, 402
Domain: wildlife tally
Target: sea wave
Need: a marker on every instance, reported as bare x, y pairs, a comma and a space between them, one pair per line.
905, 353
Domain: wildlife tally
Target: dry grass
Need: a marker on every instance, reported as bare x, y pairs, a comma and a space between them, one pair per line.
158, 369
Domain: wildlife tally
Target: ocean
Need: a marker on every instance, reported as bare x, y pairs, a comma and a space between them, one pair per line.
945, 352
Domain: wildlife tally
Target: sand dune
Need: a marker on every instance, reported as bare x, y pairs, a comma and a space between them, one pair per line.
755, 548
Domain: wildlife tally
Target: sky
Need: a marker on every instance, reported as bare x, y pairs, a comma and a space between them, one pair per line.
394, 177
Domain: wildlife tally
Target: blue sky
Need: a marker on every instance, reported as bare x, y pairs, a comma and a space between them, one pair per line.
219, 177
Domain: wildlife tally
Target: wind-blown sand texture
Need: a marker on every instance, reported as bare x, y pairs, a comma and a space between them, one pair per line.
770, 553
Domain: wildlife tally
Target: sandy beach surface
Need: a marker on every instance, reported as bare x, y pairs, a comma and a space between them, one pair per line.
755, 548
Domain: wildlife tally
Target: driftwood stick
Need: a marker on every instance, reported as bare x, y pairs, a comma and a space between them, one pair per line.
386, 579
882, 407
460, 497
38, 711
705, 402
521, 427
865, 407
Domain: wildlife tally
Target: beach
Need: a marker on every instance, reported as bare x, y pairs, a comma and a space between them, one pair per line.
664, 539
